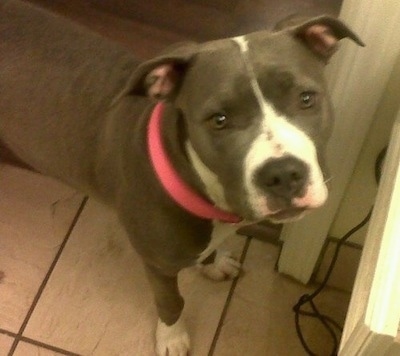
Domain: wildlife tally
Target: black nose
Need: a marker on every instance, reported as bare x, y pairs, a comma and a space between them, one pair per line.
283, 177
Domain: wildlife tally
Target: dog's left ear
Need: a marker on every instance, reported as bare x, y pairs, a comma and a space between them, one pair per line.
321, 34
160, 77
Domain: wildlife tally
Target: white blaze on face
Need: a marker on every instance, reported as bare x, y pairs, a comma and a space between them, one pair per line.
278, 137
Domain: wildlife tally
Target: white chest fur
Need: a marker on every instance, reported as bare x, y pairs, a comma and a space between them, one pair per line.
220, 232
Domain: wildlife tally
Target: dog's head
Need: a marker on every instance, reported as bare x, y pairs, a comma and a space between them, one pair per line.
257, 114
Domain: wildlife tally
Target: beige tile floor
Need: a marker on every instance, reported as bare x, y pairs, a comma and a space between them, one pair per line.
91, 298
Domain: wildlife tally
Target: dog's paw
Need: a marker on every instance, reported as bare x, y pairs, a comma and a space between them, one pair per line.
172, 340
224, 267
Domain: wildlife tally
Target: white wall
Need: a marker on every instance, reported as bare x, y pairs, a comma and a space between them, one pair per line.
360, 193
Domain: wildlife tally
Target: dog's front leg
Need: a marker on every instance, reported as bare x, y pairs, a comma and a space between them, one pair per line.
214, 263
220, 265
172, 338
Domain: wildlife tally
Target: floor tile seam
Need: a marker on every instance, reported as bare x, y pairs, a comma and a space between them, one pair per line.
19, 336
8, 332
229, 299
46, 346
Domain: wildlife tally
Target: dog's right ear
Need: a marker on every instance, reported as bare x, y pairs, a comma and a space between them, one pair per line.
160, 77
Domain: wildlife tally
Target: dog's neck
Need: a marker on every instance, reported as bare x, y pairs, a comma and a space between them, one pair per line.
181, 192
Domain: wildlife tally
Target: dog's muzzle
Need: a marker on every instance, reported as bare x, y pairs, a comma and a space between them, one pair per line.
283, 178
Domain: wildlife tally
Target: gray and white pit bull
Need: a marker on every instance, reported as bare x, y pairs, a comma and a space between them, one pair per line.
239, 134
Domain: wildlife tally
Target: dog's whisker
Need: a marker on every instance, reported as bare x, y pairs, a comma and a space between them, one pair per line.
328, 180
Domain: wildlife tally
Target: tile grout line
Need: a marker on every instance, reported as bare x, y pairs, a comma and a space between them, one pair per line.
47, 347
43, 285
228, 299
8, 333
37, 343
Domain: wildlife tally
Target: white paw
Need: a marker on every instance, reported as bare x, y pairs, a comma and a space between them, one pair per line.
172, 340
224, 267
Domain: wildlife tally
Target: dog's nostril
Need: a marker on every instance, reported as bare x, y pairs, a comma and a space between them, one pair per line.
273, 181
283, 177
296, 176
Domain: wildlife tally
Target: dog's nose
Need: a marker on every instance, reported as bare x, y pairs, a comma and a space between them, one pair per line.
283, 177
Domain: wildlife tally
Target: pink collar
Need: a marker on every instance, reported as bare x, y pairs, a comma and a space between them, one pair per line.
178, 190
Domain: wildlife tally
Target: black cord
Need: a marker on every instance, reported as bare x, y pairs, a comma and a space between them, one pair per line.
331, 326
328, 322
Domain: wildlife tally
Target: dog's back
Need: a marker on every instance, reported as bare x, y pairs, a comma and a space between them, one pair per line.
56, 77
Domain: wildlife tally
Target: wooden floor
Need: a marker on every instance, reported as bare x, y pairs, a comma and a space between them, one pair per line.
150, 25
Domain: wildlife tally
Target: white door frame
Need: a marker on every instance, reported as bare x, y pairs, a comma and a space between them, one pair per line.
357, 78
373, 318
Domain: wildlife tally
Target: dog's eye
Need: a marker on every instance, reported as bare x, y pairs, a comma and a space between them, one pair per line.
218, 121
307, 99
